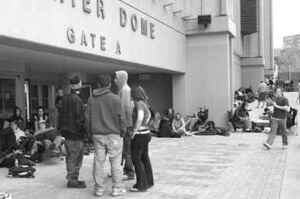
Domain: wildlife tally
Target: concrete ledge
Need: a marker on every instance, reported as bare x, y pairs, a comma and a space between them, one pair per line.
220, 24
252, 61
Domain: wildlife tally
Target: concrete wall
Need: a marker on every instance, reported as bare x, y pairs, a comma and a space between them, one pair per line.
208, 78
158, 88
251, 76
268, 34
236, 73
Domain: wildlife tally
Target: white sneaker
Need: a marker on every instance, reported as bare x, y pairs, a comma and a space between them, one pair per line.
266, 146
118, 192
99, 192
284, 147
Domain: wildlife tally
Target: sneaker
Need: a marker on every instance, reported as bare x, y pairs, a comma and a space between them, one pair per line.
118, 192
284, 147
134, 189
99, 192
76, 184
128, 177
266, 146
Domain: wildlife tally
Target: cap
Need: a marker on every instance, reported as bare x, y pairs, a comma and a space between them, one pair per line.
75, 80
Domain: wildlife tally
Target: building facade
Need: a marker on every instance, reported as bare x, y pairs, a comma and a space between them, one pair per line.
181, 61
292, 41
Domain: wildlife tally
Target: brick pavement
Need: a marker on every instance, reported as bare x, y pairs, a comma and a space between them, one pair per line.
207, 167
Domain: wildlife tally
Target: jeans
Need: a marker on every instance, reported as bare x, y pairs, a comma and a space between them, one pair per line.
74, 157
110, 145
128, 167
141, 161
278, 125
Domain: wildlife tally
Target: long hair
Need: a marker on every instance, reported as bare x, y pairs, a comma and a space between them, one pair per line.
139, 94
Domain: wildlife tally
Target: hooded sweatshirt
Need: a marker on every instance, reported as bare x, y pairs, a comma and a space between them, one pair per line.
125, 95
104, 113
71, 117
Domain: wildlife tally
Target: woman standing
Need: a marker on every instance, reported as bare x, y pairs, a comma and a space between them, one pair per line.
140, 143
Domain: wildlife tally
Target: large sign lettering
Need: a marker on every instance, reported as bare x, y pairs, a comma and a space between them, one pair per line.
135, 23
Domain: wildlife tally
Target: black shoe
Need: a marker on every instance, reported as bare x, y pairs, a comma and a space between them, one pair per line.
81, 182
76, 184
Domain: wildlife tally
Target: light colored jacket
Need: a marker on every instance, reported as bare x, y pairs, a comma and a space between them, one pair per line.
125, 95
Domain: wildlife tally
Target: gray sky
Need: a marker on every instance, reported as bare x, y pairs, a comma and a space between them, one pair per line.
286, 16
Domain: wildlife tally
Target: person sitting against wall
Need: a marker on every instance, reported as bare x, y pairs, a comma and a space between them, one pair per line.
14, 143
178, 125
241, 115
165, 126
170, 114
17, 116
46, 134
7, 144
154, 123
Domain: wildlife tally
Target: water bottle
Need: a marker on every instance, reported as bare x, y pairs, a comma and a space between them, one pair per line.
16, 162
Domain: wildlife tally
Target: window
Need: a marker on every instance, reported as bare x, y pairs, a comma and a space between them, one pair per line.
45, 96
34, 97
7, 97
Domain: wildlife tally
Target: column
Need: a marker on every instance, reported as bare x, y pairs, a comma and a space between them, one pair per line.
223, 7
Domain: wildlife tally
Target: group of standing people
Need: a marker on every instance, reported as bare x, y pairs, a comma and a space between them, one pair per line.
118, 125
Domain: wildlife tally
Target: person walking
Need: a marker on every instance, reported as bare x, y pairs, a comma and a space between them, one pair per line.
121, 78
278, 120
140, 141
71, 126
105, 121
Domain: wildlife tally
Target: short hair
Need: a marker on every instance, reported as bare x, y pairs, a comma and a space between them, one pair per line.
104, 80
40, 107
74, 80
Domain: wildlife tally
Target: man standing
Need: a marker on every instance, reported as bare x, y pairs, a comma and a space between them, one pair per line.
121, 78
278, 120
71, 126
105, 120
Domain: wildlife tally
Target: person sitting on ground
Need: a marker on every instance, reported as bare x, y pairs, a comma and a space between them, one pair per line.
165, 126
7, 144
14, 145
154, 123
178, 125
17, 116
250, 96
262, 91
46, 134
241, 115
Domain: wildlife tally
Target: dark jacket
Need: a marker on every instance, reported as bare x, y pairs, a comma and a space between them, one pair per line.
105, 114
71, 117
7, 141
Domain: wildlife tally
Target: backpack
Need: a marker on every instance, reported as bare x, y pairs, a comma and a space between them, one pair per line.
21, 172
290, 122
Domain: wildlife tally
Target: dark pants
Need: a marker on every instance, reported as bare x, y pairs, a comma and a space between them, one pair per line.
74, 157
278, 125
141, 161
128, 167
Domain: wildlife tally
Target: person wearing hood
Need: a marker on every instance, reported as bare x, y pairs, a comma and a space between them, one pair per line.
105, 121
71, 127
124, 91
